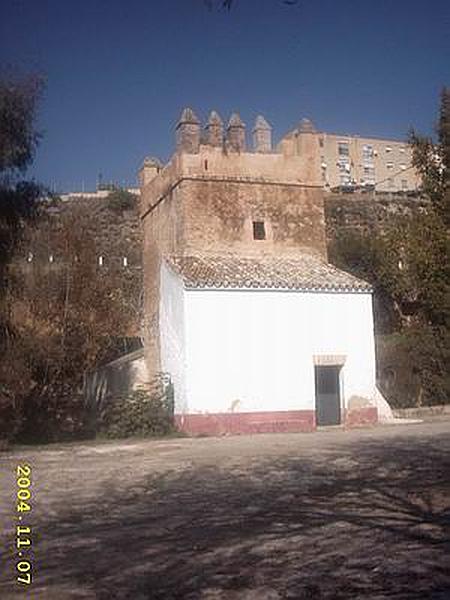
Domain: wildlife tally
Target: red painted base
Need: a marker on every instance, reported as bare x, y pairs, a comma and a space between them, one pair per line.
255, 422
291, 421
359, 417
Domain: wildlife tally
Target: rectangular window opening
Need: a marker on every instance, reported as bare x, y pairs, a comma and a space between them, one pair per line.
368, 153
259, 230
343, 149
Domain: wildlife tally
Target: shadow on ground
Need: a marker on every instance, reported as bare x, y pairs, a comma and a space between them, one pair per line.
369, 520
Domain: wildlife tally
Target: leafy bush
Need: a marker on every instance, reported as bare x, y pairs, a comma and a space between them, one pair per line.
121, 200
138, 414
10, 415
58, 415
413, 368
408, 265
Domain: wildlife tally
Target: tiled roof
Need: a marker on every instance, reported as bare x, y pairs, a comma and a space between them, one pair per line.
303, 273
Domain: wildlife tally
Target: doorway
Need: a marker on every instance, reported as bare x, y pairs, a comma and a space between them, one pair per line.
328, 401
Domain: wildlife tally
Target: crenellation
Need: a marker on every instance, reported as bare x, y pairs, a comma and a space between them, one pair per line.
214, 130
188, 132
149, 170
262, 135
236, 134
306, 126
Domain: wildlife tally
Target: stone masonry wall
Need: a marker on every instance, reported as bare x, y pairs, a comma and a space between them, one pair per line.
163, 234
218, 217
365, 212
117, 235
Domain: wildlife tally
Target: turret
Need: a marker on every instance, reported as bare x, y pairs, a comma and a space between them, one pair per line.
262, 135
306, 126
188, 132
214, 129
149, 170
236, 133
307, 146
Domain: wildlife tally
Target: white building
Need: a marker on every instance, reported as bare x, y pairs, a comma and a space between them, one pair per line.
352, 161
262, 345
257, 331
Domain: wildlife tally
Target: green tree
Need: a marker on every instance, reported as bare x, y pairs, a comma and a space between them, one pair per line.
18, 142
444, 134
120, 200
407, 261
432, 160
412, 267
19, 138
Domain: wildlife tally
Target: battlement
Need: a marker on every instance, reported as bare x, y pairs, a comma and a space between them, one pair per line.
213, 152
191, 136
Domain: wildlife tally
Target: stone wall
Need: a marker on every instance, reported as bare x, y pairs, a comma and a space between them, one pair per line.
423, 412
218, 217
113, 235
163, 234
117, 233
360, 212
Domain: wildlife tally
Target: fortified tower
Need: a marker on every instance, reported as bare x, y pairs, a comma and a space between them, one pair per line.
257, 331
215, 197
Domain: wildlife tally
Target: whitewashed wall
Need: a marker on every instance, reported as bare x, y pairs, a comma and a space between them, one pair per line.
253, 350
172, 334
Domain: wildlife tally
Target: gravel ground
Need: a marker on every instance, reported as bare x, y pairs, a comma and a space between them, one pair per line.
329, 515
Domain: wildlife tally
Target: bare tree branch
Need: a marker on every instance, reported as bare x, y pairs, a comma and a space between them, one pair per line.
228, 4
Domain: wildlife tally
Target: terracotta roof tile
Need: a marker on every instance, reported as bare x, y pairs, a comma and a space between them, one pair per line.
304, 272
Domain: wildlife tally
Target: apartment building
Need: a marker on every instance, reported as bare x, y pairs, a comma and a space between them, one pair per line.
349, 161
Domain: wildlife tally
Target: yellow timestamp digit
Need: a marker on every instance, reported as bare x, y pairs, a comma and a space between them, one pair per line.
24, 568
23, 532
23, 473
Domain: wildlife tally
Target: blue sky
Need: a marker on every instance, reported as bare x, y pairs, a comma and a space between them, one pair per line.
119, 73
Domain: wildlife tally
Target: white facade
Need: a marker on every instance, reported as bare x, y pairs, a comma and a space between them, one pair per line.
172, 321
255, 350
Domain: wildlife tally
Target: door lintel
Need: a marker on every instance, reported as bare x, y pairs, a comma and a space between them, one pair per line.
331, 360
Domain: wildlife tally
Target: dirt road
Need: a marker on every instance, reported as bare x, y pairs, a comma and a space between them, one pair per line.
328, 515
